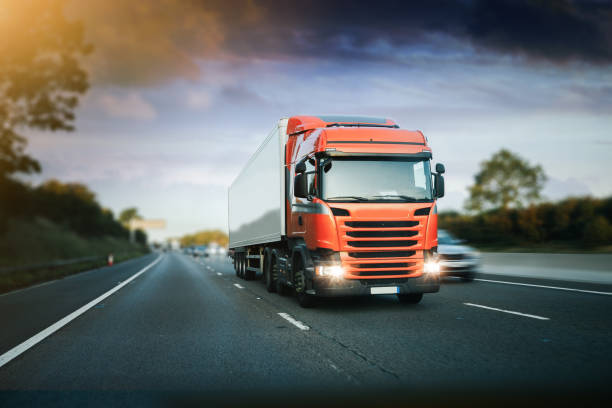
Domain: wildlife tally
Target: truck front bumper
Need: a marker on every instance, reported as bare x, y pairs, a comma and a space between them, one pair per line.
330, 287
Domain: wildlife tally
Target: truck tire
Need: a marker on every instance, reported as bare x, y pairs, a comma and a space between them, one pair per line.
299, 280
242, 265
410, 298
237, 264
281, 288
270, 270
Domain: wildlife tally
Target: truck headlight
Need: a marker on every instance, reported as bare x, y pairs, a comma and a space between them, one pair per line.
334, 271
432, 267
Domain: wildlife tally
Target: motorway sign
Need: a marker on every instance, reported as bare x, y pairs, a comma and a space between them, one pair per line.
147, 224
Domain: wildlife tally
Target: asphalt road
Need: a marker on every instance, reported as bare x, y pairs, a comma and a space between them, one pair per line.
192, 325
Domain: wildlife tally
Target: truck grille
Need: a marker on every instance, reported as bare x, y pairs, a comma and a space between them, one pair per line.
385, 265
382, 254
381, 234
381, 224
386, 272
376, 244
375, 249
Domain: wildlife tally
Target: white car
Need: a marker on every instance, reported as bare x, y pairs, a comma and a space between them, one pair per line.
457, 259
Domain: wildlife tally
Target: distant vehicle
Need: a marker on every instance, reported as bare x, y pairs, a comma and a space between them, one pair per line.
215, 250
338, 206
457, 259
200, 250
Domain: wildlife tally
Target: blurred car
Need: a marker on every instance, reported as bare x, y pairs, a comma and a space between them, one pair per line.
457, 259
199, 250
215, 250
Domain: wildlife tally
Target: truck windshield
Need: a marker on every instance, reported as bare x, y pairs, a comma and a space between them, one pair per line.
375, 179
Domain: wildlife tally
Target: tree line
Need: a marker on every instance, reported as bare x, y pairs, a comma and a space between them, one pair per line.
585, 221
505, 208
71, 205
204, 238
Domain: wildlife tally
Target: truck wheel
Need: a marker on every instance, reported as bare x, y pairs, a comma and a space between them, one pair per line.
304, 299
281, 288
242, 265
237, 264
270, 271
412, 298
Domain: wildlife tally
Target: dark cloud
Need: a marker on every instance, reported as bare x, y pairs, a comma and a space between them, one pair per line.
557, 31
149, 42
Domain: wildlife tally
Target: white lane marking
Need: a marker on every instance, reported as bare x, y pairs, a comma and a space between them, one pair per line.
507, 311
37, 338
546, 287
239, 286
294, 322
219, 273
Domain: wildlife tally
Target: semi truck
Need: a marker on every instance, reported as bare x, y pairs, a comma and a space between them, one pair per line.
338, 206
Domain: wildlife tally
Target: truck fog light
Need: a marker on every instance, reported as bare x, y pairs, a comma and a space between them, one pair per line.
432, 267
335, 271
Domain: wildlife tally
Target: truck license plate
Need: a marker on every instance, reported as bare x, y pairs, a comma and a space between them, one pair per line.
384, 291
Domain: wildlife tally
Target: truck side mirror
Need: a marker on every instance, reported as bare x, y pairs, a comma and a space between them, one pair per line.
440, 168
300, 186
439, 183
300, 167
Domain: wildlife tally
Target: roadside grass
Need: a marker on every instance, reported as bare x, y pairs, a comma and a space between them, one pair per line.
39, 241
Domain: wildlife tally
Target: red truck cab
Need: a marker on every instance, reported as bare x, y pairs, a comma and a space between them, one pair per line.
361, 208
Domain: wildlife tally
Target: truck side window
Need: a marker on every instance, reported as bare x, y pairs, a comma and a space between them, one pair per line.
310, 176
419, 175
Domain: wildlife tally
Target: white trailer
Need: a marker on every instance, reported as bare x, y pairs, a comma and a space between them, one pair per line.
256, 199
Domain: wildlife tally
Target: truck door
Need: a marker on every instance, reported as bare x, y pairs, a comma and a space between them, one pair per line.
301, 207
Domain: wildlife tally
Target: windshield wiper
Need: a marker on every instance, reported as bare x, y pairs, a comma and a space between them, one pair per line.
356, 198
401, 197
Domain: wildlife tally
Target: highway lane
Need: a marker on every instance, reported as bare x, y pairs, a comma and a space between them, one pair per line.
192, 325
25, 312
444, 341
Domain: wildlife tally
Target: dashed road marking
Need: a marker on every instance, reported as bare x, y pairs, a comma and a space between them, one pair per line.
507, 311
239, 286
596, 292
219, 273
294, 322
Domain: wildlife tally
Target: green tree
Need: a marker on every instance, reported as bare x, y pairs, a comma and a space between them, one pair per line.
128, 215
506, 180
40, 76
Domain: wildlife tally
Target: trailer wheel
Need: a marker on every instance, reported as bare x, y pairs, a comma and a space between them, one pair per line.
242, 265
237, 264
304, 299
270, 270
411, 298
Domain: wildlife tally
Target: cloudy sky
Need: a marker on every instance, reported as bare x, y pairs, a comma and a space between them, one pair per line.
183, 91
